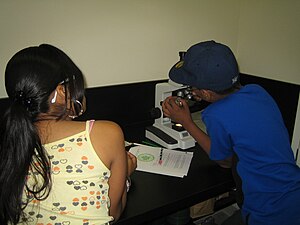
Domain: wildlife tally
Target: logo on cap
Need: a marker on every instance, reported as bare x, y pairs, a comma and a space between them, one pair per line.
235, 79
179, 64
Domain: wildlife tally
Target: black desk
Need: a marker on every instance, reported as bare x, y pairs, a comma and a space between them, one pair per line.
153, 196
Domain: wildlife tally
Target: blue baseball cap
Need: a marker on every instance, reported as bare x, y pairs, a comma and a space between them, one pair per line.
207, 65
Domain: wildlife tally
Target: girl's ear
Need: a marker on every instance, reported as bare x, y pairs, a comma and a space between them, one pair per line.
61, 93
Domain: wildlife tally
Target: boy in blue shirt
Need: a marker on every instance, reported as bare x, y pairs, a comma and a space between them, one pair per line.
243, 123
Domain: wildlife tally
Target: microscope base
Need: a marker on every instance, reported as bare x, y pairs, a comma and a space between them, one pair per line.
162, 138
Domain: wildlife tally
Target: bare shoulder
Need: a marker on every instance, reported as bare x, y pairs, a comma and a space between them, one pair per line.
108, 140
107, 128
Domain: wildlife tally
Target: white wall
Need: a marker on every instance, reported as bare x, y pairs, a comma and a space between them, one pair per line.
116, 41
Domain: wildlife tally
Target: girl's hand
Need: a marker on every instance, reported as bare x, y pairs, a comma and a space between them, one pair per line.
131, 163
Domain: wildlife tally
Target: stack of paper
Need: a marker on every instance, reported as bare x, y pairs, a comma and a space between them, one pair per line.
162, 161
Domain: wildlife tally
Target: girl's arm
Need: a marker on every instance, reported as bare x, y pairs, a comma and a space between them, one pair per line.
108, 141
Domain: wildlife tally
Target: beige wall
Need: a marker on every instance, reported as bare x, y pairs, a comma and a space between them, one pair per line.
269, 39
125, 41
269, 44
116, 41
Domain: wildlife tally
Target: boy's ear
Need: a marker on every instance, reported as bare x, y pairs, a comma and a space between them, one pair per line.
206, 94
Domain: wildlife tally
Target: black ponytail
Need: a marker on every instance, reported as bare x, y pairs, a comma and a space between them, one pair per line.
20, 150
31, 75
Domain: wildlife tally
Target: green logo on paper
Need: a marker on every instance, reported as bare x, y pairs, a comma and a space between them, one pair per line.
145, 157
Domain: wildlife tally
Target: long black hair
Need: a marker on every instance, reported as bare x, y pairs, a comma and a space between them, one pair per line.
31, 75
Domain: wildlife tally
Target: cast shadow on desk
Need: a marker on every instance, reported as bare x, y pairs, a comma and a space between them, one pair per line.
211, 212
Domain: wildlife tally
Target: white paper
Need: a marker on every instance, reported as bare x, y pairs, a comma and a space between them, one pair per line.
174, 163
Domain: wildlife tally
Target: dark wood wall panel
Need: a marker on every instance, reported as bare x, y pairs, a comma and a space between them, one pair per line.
129, 105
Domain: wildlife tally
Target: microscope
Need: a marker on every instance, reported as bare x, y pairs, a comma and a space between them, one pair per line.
164, 131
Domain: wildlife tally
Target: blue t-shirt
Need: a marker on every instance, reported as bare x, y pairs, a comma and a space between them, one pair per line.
250, 124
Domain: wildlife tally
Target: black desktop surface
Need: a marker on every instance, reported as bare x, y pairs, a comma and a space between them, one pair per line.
153, 196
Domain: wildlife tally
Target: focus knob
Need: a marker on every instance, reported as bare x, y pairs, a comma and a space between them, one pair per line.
155, 113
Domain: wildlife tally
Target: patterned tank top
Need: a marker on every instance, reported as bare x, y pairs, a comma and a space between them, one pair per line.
79, 193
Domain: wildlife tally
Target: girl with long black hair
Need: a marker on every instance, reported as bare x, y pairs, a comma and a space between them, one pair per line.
54, 169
